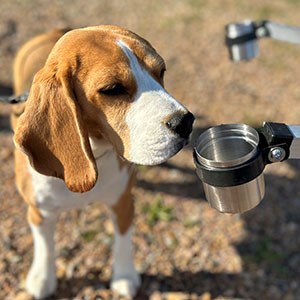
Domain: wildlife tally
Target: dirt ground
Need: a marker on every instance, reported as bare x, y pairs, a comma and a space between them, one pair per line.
184, 248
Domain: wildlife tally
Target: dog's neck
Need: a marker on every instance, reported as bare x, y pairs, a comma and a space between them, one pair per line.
100, 147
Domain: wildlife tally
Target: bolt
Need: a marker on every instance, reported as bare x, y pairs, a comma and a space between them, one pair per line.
276, 154
261, 32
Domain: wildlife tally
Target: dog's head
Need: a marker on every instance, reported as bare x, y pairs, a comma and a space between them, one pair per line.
102, 82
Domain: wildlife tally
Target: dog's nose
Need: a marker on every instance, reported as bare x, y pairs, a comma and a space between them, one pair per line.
182, 124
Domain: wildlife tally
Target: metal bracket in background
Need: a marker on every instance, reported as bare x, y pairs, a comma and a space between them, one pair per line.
240, 33
241, 37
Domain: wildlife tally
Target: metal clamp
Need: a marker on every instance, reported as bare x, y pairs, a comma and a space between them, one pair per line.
230, 160
241, 37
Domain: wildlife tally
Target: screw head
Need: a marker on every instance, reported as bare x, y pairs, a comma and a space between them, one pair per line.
276, 154
261, 32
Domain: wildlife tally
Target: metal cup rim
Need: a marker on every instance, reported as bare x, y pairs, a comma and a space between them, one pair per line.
241, 131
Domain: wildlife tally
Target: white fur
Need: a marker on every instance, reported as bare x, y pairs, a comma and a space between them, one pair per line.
126, 280
151, 141
52, 196
41, 279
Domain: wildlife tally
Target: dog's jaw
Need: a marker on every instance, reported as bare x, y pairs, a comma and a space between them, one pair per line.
151, 141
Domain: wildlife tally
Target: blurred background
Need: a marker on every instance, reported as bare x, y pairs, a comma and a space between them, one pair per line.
184, 248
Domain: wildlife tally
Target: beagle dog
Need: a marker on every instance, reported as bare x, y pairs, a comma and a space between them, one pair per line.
96, 107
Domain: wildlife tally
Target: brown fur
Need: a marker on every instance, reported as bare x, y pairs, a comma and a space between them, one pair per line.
23, 181
30, 58
124, 209
61, 121
67, 85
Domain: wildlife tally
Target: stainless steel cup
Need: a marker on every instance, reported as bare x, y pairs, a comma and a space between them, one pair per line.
226, 147
245, 50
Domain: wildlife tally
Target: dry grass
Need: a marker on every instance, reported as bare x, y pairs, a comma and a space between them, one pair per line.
184, 249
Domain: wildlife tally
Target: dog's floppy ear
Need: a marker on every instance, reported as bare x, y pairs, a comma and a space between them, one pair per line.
52, 134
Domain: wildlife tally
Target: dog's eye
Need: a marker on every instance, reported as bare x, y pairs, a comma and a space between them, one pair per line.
113, 90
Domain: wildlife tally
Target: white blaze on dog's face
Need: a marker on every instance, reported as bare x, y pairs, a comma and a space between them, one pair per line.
151, 141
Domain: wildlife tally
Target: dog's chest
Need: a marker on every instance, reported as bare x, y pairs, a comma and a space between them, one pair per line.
52, 194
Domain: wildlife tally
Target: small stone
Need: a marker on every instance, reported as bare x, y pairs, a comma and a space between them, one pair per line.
206, 296
6, 153
109, 228
14, 259
104, 294
23, 296
61, 267
176, 296
229, 293
155, 296
274, 292
71, 270
294, 285
289, 296
88, 292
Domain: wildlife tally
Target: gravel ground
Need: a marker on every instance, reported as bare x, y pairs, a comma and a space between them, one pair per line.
184, 248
